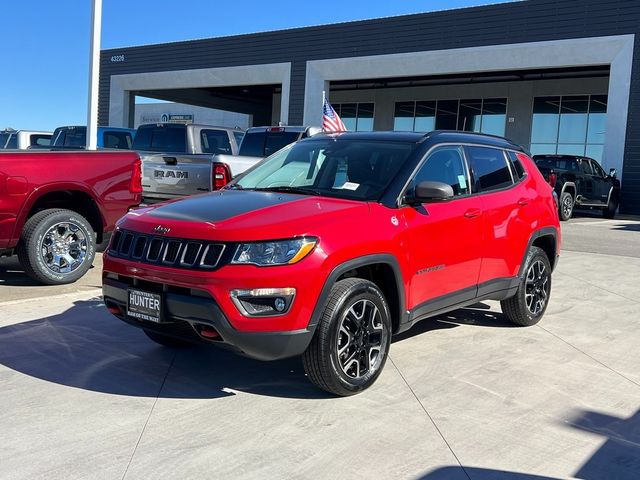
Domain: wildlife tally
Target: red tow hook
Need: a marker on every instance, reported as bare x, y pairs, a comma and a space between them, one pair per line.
209, 333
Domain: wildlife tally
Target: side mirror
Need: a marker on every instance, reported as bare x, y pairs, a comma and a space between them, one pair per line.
428, 191
613, 173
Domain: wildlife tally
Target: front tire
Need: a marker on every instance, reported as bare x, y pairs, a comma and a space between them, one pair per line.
528, 305
351, 342
566, 206
57, 246
611, 208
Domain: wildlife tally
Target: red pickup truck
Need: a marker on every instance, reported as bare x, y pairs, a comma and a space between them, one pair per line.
56, 206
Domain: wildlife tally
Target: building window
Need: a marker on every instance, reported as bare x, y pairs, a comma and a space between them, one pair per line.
486, 115
357, 117
571, 125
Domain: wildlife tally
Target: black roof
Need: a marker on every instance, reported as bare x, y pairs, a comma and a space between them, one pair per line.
376, 136
437, 136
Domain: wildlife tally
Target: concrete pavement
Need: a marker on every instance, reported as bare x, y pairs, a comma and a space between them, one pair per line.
464, 396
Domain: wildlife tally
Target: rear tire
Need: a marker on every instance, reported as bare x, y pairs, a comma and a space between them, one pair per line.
528, 305
166, 341
611, 208
57, 246
351, 342
566, 206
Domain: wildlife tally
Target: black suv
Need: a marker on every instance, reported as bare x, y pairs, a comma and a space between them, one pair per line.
580, 182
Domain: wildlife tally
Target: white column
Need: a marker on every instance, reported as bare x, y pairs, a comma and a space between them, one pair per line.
94, 75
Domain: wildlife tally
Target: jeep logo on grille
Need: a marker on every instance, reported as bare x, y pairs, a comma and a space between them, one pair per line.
160, 230
170, 174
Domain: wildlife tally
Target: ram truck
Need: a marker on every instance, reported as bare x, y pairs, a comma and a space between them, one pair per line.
55, 207
75, 137
177, 159
169, 176
332, 245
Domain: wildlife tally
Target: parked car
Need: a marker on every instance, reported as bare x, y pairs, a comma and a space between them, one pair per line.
55, 207
580, 182
260, 142
166, 177
177, 159
23, 139
371, 233
108, 137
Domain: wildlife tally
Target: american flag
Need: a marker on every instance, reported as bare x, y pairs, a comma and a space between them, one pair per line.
331, 121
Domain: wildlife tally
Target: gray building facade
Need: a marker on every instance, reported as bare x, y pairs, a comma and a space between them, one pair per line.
557, 76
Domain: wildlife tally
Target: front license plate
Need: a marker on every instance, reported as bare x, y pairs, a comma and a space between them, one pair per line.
144, 305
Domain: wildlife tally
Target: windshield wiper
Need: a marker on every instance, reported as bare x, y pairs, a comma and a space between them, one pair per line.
287, 189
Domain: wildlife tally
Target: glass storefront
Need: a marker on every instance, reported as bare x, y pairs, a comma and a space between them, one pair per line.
572, 125
486, 115
357, 117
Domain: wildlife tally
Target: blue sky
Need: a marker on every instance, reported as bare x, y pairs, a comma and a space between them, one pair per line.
45, 44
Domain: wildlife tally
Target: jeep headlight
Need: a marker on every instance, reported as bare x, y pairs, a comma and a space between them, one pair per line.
279, 252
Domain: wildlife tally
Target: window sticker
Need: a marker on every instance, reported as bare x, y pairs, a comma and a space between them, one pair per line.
462, 181
350, 186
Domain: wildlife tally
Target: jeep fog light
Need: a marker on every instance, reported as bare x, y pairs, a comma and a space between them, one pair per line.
263, 302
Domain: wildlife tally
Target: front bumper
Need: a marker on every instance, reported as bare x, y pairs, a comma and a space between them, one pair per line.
187, 311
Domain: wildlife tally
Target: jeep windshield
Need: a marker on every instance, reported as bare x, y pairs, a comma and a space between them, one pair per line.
350, 169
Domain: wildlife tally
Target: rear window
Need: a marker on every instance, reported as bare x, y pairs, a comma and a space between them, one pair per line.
557, 163
215, 141
75, 137
490, 169
119, 140
263, 144
161, 138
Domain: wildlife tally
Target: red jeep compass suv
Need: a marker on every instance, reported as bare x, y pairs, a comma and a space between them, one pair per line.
332, 245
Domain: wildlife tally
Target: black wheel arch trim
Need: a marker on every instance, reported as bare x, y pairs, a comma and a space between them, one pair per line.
572, 185
543, 232
378, 258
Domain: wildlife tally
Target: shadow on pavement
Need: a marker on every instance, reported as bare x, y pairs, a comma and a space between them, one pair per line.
475, 473
619, 456
633, 227
478, 314
12, 274
85, 347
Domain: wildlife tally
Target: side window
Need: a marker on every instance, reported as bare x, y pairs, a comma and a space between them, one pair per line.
585, 167
40, 140
597, 169
215, 141
447, 165
490, 169
516, 166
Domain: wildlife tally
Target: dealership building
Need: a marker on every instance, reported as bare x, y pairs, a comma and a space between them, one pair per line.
556, 76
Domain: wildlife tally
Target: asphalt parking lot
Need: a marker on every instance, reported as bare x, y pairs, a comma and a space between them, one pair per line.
464, 396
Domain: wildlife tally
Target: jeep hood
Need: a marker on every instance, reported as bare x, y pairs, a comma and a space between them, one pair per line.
244, 215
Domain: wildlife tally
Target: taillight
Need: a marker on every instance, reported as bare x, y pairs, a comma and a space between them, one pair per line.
553, 178
221, 175
136, 178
